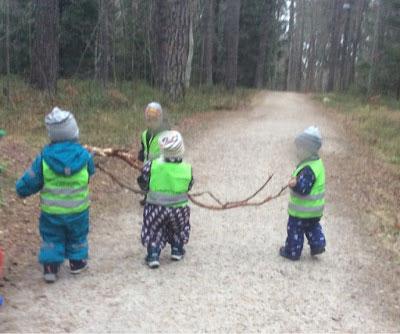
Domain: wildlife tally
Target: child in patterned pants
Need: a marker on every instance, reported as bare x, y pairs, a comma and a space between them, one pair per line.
307, 193
166, 215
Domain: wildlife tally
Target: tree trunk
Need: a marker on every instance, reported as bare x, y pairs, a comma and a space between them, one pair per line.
334, 45
104, 63
311, 57
266, 23
7, 88
375, 50
299, 69
171, 45
345, 49
290, 48
188, 72
45, 46
208, 42
231, 33
356, 40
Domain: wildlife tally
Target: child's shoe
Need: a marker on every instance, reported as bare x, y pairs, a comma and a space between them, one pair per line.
317, 251
177, 253
283, 253
77, 266
50, 271
153, 258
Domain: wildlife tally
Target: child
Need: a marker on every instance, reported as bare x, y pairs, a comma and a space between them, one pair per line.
166, 212
306, 204
156, 125
61, 173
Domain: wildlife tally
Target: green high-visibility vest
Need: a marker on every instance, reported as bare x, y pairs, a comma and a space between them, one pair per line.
152, 150
63, 194
169, 183
311, 205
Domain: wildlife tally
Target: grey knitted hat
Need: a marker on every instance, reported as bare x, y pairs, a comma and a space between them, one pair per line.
310, 139
61, 125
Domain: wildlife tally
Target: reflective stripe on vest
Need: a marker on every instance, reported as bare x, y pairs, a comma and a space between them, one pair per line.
62, 194
311, 205
169, 183
152, 151
166, 199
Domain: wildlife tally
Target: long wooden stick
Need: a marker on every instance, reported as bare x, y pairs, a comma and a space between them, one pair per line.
129, 158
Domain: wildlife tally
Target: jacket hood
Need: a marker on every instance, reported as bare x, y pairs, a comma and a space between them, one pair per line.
66, 158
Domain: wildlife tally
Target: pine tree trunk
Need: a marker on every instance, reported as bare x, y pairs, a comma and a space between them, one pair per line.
171, 45
334, 45
290, 48
188, 71
299, 67
208, 41
7, 88
266, 22
356, 40
231, 34
345, 50
105, 65
45, 46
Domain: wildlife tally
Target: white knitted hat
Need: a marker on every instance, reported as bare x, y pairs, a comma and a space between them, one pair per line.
61, 125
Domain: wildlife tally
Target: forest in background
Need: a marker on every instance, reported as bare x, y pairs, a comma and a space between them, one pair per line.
295, 45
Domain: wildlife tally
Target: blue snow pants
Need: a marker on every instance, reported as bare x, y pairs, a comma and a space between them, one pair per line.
63, 237
297, 228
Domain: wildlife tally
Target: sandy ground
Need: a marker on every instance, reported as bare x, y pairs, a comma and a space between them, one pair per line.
232, 279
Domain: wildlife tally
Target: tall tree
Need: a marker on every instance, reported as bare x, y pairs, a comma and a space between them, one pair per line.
104, 45
45, 46
171, 45
334, 44
231, 36
265, 30
300, 48
208, 41
289, 62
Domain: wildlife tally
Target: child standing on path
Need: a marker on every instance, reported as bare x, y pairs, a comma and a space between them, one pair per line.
156, 125
166, 216
306, 203
61, 173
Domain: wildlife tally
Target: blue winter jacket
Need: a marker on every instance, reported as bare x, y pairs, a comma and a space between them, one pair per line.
60, 156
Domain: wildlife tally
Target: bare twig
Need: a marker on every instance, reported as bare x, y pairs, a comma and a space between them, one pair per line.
130, 159
115, 179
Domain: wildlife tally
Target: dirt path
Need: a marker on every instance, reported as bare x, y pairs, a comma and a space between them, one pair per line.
232, 278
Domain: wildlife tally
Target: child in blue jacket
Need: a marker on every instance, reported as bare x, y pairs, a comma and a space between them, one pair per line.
61, 173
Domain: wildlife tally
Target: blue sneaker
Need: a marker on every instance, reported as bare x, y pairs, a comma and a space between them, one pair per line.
177, 253
153, 258
283, 253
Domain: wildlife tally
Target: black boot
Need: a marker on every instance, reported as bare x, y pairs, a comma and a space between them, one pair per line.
50, 271
77, 266
317, 251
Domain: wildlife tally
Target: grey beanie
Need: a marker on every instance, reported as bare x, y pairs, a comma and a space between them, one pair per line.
310, 139
61, 125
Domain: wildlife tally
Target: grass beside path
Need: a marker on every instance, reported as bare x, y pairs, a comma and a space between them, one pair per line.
377, 121
105, 117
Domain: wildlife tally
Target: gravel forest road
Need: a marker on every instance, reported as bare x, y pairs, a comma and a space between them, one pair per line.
232, 279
